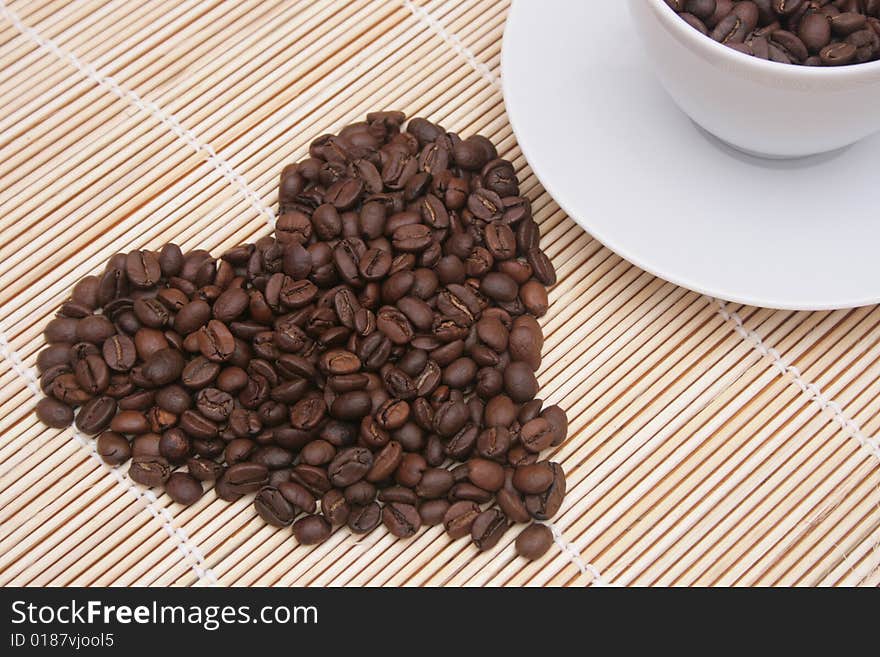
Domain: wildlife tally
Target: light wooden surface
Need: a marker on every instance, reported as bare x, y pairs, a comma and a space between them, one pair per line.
702, 452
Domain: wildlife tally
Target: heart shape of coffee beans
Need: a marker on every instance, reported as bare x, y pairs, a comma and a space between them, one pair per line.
372, 362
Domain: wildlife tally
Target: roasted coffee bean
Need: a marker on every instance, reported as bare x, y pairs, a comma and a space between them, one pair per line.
95, 415
513, 504
434, 483
61, 329
311, 530
142, 269
151, 471
363, 519
558, 423
146, 445
192, 317
459, 518
520, 382
119, 352
130, 422
204, 469
174, 445
318, 452
183, 488
432, 512
402, 520
399, 494
197, 425
488, 528
533, 479
385, 462
298, 495
543, 506
533, 541
273, 508
360, 493
536, 435
485, 474
214, 404
173, 398
351, 405
57, 353
334, 507
243, 478
349, 465
94, 329
54, 413
164, 366
113, 448
493, 443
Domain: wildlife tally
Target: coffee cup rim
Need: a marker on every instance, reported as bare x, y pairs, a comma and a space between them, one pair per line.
672, 21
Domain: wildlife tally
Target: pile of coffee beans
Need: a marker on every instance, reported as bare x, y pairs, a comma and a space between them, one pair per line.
372, 362
808, 32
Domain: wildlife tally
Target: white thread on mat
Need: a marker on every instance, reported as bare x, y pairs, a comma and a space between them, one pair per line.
811, 390
23, 371
574, 556
222, 166
192, 555
453, 41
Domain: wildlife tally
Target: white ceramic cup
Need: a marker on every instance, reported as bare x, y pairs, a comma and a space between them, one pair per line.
763, 108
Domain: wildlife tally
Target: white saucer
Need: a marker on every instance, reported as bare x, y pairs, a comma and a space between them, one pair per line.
620, 158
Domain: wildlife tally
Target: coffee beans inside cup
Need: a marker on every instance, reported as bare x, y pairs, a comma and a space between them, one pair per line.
371, 362
807, 32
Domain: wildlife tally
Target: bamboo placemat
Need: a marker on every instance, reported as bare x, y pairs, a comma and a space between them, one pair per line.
710, 443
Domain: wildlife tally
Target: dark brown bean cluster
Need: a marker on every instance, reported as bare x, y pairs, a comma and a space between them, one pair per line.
372, 362
808, 32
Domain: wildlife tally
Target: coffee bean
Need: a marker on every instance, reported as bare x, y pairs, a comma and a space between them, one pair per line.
311, 530
197, 425
520, 382
488, 528
298, 495
533, 479
349, 465
199, 372
151, 471
402, 520
243, 478
113, 448
434, 483
459, 518
119, 352
142, 269
363, 519
432, 512
54, 413
534, 541
536, 435
61, 329
273, 508
334, 507
485, 474
543, 506
351, 405
164, 366
96, 415
183, 488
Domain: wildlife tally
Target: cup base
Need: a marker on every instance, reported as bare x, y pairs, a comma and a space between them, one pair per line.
766, 156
